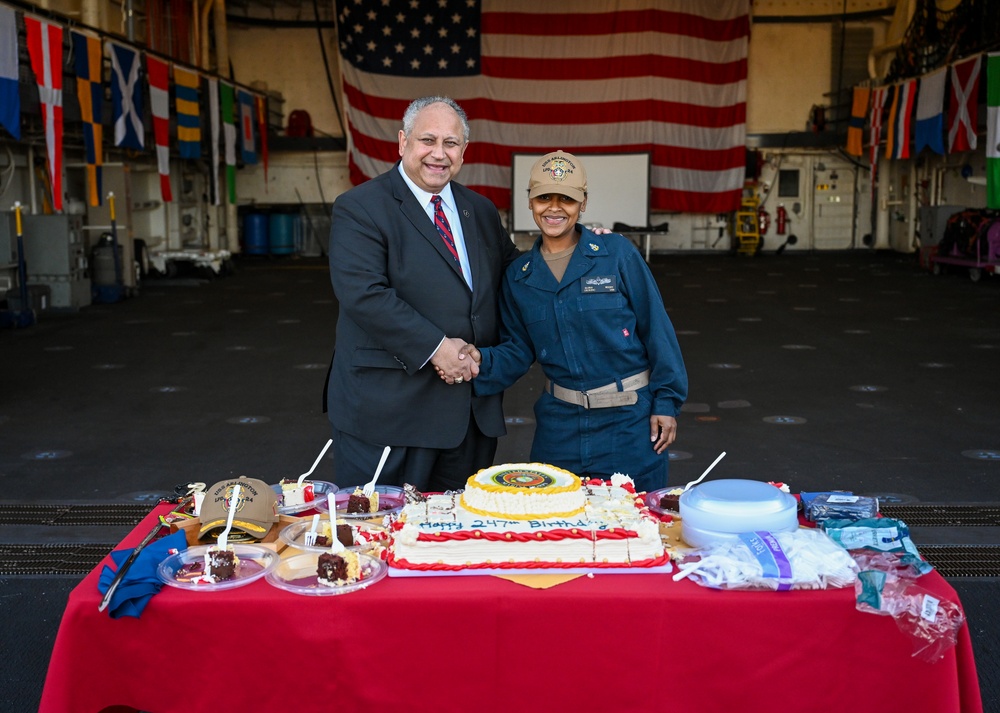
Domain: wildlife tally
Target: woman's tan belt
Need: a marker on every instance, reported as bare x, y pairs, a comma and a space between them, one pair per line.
608, 396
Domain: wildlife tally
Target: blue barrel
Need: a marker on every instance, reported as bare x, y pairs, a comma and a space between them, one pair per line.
283, 226
255, 234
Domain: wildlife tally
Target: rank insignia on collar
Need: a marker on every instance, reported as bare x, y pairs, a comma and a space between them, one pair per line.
524, 267
595, 248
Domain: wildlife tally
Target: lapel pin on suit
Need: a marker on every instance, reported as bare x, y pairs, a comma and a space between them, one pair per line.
465, 213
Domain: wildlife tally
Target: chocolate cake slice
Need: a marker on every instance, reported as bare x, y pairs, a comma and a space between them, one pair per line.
220, 564
337, 570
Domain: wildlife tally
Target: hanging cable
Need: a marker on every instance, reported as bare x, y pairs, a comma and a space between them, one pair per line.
326, 66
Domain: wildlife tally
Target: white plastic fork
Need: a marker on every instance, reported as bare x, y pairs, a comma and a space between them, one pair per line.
707, 471
370, 485
316, 463
310, 537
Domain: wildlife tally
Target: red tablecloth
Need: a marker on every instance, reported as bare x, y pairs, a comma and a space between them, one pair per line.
615, 642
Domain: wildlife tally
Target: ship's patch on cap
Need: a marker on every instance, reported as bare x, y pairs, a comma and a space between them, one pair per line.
558, 172
256, 510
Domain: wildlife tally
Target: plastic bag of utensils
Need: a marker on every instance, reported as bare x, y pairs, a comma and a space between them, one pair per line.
841, 506
930, 620
801, 559
878, 534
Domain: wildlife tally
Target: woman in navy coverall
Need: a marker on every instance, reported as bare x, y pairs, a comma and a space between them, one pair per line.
587, 308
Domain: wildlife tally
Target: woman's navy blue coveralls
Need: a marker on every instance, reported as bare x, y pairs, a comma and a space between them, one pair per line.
605, 321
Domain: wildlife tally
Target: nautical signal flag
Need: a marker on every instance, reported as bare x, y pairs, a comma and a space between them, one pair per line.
856, 125
187, 86
10, 96
879, 97
88, 64
159, 102
213, 113
963, 105
248, 146
126, 97
227, 99
993, 131
45, 51
260, 104
901, 120
929, 130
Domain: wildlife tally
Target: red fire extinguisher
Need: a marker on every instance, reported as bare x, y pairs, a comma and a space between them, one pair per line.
781, 220
763, 221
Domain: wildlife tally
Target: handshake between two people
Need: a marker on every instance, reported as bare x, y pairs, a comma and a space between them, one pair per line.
456, 361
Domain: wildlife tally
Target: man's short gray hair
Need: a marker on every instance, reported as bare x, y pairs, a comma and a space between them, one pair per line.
415, 107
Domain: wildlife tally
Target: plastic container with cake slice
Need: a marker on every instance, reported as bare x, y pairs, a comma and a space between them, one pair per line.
390, 501
315, 498
184, 569
297, 574
368, 536
723, 509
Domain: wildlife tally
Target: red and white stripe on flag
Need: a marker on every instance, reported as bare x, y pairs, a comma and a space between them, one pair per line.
901, 120
159, 100
875, 124
963, 106
45, 51
666, 77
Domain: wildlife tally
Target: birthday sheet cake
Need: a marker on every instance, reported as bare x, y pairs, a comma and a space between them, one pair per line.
528, 516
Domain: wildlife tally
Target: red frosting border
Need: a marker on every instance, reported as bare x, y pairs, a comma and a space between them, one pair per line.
393, 561
557, 535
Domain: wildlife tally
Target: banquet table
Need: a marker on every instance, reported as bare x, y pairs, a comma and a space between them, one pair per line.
606, 643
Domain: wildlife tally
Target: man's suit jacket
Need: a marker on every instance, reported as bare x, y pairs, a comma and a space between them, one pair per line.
400, 292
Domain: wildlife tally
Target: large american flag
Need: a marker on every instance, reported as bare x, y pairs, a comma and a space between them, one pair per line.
587, 76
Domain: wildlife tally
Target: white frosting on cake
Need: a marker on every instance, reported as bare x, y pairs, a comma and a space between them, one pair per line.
293, 494
524, 491
441, 533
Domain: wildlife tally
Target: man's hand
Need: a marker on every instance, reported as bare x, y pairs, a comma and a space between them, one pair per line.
662, 431
448, 364
463, 353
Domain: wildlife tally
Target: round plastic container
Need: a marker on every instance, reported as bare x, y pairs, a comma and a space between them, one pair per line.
321, 491
282, 230
255, 234
722, 509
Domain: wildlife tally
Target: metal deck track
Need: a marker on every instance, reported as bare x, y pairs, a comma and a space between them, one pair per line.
71, 559
960, 561
952, 561
940, 515
79, 515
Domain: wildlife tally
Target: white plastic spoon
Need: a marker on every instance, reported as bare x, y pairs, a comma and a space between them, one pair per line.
707, 470
233, 502
318, 459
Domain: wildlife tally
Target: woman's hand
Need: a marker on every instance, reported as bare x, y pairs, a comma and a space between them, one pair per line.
468, 350
662, 431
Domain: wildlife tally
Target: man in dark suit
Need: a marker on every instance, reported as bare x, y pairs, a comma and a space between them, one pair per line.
414, 286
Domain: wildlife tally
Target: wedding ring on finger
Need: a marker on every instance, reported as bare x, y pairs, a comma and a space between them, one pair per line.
458, 379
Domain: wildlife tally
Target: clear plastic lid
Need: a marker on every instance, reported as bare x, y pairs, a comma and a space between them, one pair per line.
733, 505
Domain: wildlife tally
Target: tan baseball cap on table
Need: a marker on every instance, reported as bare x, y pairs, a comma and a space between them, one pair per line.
558, 172
256, 509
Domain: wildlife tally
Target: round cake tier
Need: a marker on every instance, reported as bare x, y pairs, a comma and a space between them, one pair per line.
524, 491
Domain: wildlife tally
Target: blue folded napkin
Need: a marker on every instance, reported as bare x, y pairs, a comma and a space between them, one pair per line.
140, 582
